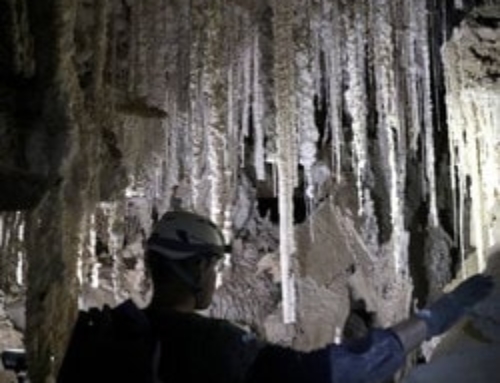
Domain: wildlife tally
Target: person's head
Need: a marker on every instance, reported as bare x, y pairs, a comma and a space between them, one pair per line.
182, 254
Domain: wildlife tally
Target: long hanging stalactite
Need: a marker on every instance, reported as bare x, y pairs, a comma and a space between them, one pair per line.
287, 147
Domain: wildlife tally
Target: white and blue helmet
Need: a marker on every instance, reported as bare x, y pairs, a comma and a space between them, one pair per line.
181, 235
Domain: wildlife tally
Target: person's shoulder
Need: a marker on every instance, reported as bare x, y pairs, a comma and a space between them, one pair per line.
222, 328
200, 326
129, 309
215, 323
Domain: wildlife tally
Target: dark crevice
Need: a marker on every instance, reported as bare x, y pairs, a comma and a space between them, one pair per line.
269, 207
490, 22
418, 270
320, 117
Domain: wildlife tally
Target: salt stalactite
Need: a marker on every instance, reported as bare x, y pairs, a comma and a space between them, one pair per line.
4, 242
20, 252
215, 97
419, 92
20, 268
247, 87
171, 156
331, 37
307, 131
425, 100
420, 122
85, 253
258, 112
175, 101
91, 246
87, 265
232, 154
413, 65
471, 63
11, 247
390, 127
308, 89
157, 176
182, 133
284, 78
79, 262
355, 96
195, 124
112, 212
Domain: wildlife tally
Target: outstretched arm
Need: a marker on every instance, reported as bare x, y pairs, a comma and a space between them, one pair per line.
368, 360
376, 357
441, 315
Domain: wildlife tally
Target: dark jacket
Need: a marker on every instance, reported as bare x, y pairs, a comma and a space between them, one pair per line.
198, 349
128, 345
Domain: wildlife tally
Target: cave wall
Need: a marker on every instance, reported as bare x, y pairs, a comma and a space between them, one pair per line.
314, 132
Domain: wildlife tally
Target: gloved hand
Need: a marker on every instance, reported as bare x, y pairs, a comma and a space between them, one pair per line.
447, 310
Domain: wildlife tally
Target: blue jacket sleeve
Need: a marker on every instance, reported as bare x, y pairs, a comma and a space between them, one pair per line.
372, 359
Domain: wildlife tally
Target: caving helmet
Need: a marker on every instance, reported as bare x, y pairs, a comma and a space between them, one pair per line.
181, 235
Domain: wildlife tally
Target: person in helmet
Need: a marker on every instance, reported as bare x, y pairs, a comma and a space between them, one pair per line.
182, 254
